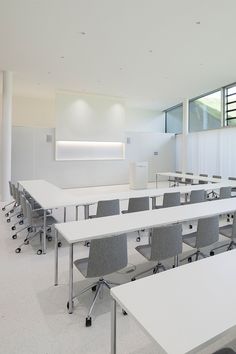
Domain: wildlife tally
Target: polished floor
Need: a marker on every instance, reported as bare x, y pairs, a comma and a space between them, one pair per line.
33, 315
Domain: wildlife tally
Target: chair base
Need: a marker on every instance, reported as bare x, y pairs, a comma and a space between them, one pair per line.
230, 246
157, 268
198, 253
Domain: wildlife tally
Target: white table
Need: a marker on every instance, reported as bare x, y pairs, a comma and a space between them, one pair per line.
83, 230
193, 177
183, 308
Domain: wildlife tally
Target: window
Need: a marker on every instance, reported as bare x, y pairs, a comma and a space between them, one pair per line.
174, 120
230, 105
205, 112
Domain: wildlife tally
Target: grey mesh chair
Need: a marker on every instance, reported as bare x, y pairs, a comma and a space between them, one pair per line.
136, 205
230, 232
106, 255
166, 243
232, 179
12, 203
213, 194
189, 180
107, 208
198, 196
207, 234
174, 180
203, 175
170, 200
17, 208
178, 179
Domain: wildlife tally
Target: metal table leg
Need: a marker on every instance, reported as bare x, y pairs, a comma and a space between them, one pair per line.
86, 211
64, 214
153, 202
56, 259
71, 279
44, 232
113, 327
77, 213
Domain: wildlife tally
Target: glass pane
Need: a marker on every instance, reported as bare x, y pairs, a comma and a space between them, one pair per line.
231, 106
205, 112
230, 98
174, 120
231, 122
231, 90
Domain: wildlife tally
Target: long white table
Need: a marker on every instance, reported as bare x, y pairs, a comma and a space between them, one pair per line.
183, 308
193, 177
83, 230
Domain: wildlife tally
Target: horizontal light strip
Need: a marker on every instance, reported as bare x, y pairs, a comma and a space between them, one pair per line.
89, 150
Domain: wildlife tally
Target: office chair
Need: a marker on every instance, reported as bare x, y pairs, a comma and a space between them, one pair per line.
169, 200
106, 256
35, 225
166, 243
136, 205
17, 209
207, 234
13, 202
107, 208
202, 175
230, 232
189, 180
175, 180
213, 193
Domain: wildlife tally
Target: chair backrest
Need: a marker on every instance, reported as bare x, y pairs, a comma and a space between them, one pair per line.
10, 188
108, 208
23, 204
234, 227
178, 178
225, 192
107, 255
17, 194
189, 180
232, 178
216, 176
29, 212
203, 175
166, 242
197, 196
138, 204
13, 191
171, 199
207, 231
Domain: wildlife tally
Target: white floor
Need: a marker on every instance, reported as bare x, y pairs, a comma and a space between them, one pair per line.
33, 315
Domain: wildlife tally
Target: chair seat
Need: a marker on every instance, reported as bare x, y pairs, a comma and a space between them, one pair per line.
82, 266
50, 220
226, 230
190, 239
145, 251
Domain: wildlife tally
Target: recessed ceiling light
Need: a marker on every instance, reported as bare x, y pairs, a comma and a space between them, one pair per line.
198, 22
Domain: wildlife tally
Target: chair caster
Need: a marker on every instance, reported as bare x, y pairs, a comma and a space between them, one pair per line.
13, 228
228, 219
39, 252
18, 250
212, 253
133, 279
124, 312
29, 229
14, 237
21, 222
87, 244
26, 242
190, 226
88, 321
49, 238
8, 220
19, 216
173, 266
138, 239
94, 288
59, 244
3, 209
7, 214
189, 259
11, 211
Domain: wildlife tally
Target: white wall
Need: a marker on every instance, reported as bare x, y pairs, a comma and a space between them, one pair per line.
33, 158
211, 152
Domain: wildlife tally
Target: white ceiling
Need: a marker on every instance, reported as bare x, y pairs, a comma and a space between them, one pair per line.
150, 51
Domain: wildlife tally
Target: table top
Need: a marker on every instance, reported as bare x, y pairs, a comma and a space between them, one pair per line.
194, 177
76, 231
48, 195
183, 308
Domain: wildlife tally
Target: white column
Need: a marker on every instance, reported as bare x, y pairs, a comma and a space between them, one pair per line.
185, 133
6, 132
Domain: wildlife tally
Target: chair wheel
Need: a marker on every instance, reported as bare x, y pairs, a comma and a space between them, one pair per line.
87, 244
18, 250
11, 211
3, 208
21, 222
88, 321
7, 214
124, 312
67, 304
59, 244
228, 219
26, 242
94, 288
133, 279
14, 237
138, 239
49, 238
190, 226
13, 228
39, 252
212, 253
29, 229
189, 259
8, 220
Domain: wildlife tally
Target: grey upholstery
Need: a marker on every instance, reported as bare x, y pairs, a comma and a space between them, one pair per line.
197, 196
106, 255
203, 175
107, 208
170, 200
225, 192
225, 351
189, 180
216, 176
166, 243
137, 204
207, 233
